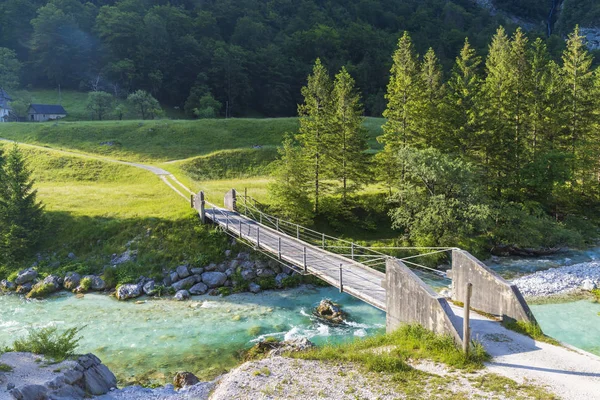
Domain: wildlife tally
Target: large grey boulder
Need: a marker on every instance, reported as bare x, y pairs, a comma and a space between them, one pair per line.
49, 285
184, 379
198, 289
127, 256
130, 291
24, 288
248, 274
174, 277
197, 271
7, 286
210, 267
184, 283
183, 271
26, 276
182, 295
149, 288
254, 288
97, 282
588, 285
72, 280
98, 378
214, 279
265, 273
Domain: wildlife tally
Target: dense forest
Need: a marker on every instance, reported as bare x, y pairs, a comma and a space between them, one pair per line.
504, 151
251, 56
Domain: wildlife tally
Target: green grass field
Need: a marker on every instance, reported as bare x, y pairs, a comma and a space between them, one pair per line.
161, 140
95, 208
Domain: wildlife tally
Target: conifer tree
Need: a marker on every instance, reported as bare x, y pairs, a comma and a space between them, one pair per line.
540, 107
3, 203
429, 123
314, 133
24, 217
403, 93
578, 83
348, 141
289, 191
461, 103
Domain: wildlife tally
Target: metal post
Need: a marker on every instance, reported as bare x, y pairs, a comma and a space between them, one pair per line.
466, 328
246, 200
279, 247
341, 284
277, 224
352, 250
240, 228
305, 267
227, 222
297, 231
192, 200
258, 237
323, 241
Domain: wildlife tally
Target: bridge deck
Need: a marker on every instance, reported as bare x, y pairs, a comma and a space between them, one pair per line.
359, 281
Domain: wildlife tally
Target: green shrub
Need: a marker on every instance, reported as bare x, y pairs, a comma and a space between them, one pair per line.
239, 283
596, 293
224, 291
533, 330
86, 284
5, 368
41, 290
49, 342
267, 283
110, 277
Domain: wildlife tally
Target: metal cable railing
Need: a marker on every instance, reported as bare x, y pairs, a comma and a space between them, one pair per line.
370, 257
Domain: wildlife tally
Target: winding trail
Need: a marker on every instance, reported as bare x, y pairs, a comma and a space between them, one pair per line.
570, 373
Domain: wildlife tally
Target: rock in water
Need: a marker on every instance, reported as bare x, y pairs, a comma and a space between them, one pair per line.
184, 379
72, 280
214, 279
125, 292
7, 286
182, 295
330, 311
254, 287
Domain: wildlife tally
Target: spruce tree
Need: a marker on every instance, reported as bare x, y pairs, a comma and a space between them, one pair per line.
541, 114
3, 203
578, 83
24, 218
461, 103
315, 130
403, 92
430, 121
348, 141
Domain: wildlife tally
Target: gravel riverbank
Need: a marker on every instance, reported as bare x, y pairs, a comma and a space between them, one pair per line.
560, 281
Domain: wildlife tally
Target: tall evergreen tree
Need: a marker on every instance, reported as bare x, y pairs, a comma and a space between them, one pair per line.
348, 141
24, 217
461, 103
429, 125
578, 83
403, 92
315, 130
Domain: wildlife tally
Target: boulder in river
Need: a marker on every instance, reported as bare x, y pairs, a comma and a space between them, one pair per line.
198, 289
72, 280
184, 379
330, 311
26, 276
254, 287
182, 295
7, 286
24, 288
130, 291
214, 279
49, 285
97, 283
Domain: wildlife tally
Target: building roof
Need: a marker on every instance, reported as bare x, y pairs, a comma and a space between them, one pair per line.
4, 99
48, 109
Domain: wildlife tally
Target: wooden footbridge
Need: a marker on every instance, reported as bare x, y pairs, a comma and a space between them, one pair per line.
369, 274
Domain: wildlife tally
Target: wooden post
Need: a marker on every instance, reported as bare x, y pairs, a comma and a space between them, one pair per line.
202, 209
240, 227
277, 224
258, 237
341, 284
297, 231
192, 200
246, 200
466, 328
323, 235
352, 250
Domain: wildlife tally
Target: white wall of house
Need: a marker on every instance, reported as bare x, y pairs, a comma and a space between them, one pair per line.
3, 114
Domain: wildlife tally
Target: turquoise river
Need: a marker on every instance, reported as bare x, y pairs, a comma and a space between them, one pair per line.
147, 342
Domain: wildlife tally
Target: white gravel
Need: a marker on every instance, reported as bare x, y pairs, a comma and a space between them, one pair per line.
559, 281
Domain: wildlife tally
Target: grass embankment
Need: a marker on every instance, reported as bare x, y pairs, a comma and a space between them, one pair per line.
98, 208
162, 140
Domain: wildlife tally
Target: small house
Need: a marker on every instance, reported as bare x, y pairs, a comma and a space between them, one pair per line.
4, 105
45, 112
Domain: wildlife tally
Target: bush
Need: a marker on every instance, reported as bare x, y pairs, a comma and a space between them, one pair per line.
267, 283
41, 290
86, 284
49, 342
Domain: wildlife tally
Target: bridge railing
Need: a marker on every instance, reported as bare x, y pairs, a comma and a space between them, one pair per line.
371, 257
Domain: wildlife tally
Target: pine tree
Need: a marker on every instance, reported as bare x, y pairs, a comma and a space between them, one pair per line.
348, 141
541, 115
578, 82
315, 116
289, 191
461, 103
497, 133
429, 125
3, 203
403, 91
24, 218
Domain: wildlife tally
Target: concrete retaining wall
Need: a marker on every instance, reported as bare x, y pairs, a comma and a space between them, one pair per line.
410, 300
230, 200
491, 293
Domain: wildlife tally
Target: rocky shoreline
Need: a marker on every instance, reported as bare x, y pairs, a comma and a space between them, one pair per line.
571, 279
234, 275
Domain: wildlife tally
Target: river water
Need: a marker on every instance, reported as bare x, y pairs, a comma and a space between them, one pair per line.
149, 342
